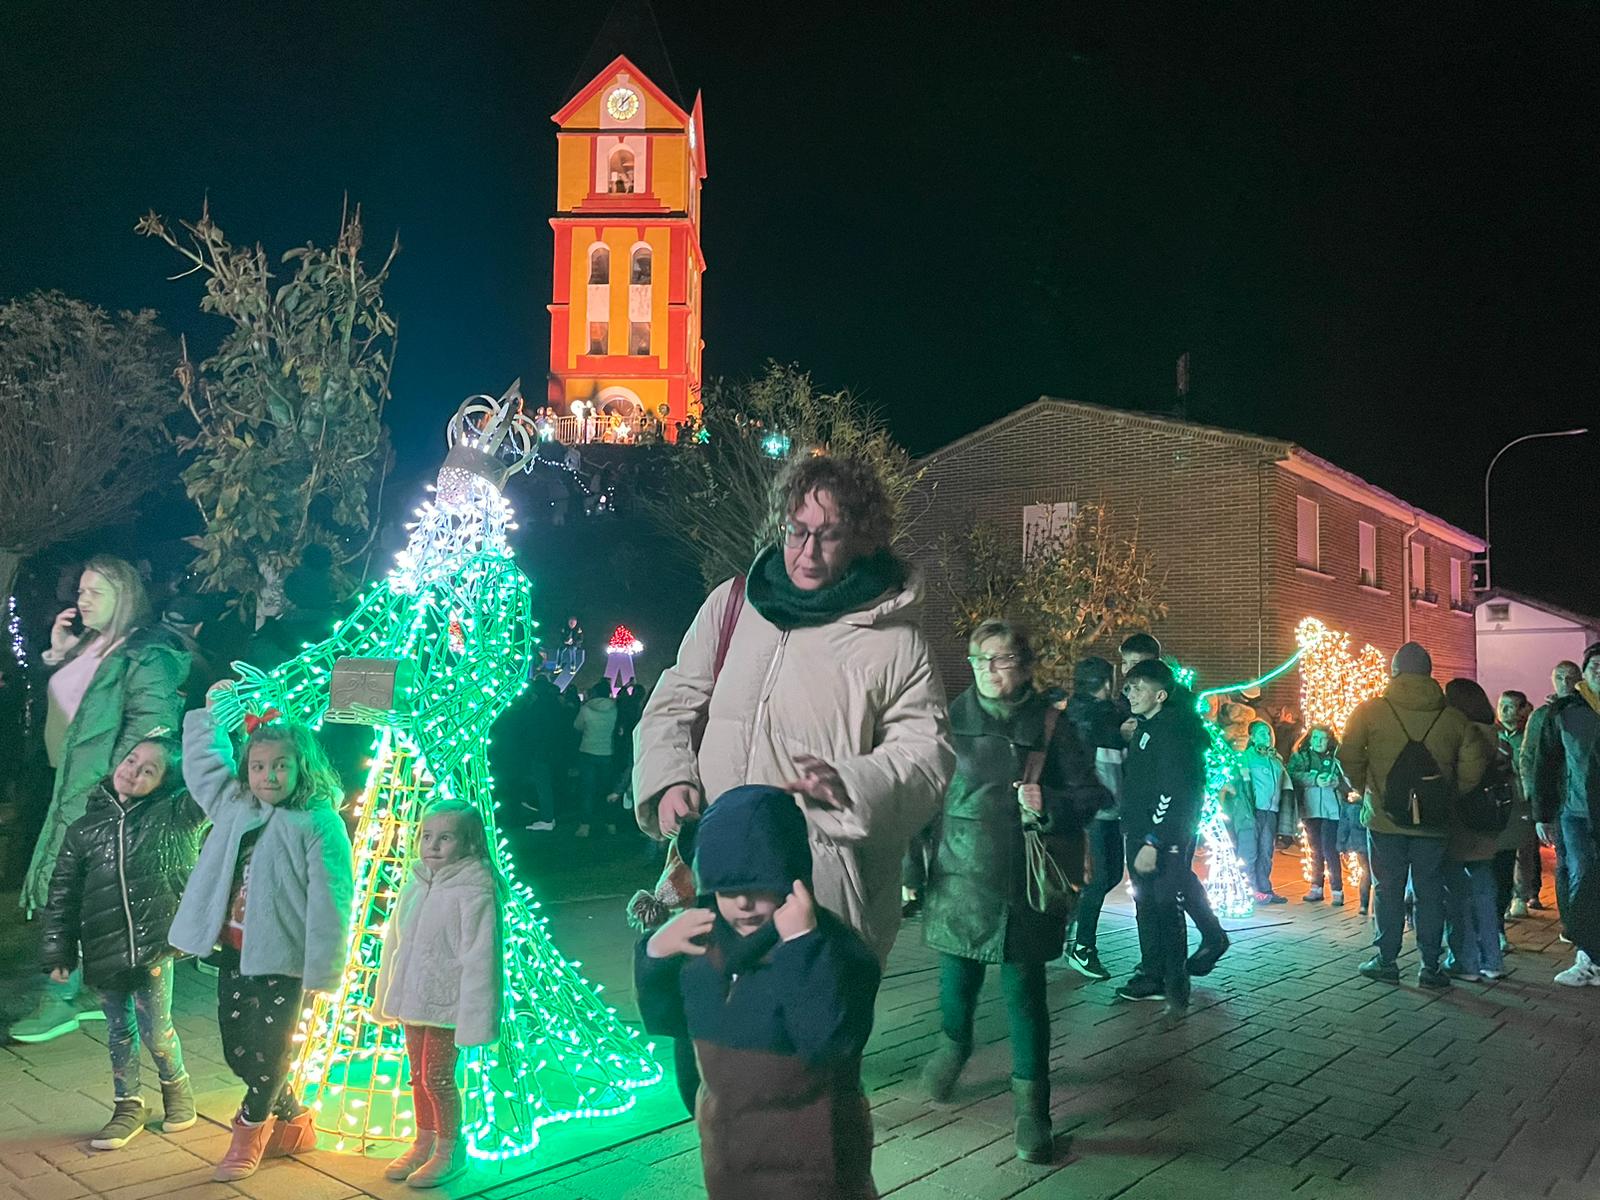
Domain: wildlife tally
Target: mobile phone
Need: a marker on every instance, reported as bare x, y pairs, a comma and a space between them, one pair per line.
77, 626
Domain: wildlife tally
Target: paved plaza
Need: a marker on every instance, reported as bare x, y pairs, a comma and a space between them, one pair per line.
1292, 1077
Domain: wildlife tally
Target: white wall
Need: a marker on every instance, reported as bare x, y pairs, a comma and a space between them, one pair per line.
1520, 651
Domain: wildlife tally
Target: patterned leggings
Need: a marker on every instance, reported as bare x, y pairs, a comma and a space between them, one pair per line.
145, 1007
257, 1015
432, 1051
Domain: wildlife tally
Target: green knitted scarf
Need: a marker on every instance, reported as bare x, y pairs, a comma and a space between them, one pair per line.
775, 597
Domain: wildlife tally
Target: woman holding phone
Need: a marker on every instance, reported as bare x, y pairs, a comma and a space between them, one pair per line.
115, 678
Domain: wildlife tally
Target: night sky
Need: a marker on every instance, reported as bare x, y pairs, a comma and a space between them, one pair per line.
1365, 222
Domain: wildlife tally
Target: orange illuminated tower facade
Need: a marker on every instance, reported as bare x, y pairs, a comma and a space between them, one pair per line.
625, 328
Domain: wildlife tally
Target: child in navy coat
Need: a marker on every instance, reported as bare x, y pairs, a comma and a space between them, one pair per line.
777, 995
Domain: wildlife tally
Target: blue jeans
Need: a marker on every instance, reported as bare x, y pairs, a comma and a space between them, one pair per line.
1395, 857
1577, 841
147, 1010
1266, 847
1322, 833
1474, 932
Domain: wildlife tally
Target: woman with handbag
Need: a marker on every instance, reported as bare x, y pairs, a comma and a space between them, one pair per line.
1012, 827
1472, 909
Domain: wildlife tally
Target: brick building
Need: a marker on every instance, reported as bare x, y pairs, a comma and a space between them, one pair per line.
1251, 534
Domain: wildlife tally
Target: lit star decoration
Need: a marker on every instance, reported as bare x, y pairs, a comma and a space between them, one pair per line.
776, 445
457, 607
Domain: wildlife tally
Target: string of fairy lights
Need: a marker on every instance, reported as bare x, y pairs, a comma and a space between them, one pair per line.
457, 607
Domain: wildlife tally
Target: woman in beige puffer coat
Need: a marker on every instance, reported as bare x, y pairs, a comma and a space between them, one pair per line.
826, 688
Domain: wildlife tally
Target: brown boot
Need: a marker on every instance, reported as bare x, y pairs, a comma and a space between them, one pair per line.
292, 1136
1031, 1102
449, 1160
244, 1154
421, 1151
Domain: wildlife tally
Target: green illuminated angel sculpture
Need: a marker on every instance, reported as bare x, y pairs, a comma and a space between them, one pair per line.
453, 624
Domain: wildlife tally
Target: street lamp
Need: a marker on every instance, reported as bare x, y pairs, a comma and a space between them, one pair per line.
1527, 437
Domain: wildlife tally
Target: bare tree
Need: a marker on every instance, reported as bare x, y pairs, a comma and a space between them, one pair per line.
1071, 587
716, 498
84, 401
289, 446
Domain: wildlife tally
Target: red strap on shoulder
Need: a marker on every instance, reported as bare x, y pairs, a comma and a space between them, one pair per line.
730, 619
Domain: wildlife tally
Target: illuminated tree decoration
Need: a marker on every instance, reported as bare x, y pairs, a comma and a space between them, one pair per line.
619, 656
456, 607
1332, 683
1227, 881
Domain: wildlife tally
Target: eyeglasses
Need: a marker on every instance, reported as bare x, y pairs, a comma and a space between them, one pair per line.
1001, 662
826, 539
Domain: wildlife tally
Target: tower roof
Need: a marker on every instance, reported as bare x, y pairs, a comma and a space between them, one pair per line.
630, 29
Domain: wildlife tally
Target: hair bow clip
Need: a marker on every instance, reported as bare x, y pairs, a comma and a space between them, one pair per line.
253, 722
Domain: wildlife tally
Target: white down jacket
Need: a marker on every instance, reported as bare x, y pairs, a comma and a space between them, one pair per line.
442, 960
860, 693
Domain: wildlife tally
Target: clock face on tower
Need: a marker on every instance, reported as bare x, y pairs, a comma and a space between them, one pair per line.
622, 103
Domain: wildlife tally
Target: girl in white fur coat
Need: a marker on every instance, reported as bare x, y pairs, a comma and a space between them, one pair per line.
441, 977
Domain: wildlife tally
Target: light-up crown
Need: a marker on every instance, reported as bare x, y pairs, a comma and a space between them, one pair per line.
490, 439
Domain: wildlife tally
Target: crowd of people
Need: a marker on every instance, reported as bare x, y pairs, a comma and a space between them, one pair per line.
803, 760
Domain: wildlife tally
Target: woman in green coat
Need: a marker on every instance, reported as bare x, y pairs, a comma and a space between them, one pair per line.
111, 685
977, 910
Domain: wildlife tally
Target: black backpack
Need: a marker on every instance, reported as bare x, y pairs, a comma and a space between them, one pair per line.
1487, 807
1416, 795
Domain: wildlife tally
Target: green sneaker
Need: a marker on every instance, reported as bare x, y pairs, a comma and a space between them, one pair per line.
127, 1122
51, 1019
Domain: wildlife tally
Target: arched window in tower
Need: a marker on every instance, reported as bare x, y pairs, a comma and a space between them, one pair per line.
639, 272
599, 264
619, 170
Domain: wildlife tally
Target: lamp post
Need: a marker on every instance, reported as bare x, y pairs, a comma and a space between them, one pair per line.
1527, 437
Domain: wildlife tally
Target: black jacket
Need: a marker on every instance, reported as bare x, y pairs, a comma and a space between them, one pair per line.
1568, 745
977, 904
778, 1031
1164, 779
117, 883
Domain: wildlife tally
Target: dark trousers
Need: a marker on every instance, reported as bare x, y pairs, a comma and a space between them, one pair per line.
1323, 834
594, 784
257, 1015
542, 783
1395, 858
1105, 872
1158, 909
1530, 866
918, 856
1505, 880
1195, 903
432, 1053
1022, 985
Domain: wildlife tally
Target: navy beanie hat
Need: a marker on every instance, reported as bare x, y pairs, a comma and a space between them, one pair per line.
752, 838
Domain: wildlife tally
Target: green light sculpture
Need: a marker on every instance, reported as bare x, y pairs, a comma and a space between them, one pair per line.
453, 624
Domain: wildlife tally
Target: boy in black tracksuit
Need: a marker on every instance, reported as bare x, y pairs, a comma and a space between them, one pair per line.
777, 993
1163, 783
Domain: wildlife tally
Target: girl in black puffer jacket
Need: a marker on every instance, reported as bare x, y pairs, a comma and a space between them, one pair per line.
121, 871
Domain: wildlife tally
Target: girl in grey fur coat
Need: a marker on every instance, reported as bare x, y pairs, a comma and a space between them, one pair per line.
269, 904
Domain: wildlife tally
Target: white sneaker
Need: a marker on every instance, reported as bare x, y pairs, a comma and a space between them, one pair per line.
542, 826
1582, 973
1519, 908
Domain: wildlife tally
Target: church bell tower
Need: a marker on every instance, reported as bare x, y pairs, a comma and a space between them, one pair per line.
625, 328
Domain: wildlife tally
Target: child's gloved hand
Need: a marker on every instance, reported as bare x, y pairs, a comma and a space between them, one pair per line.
61, 974
796, 916
678, 936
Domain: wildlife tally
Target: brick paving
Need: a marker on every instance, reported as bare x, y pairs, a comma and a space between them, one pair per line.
1292, 1077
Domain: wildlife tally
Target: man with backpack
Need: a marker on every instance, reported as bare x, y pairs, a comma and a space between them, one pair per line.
1410, 757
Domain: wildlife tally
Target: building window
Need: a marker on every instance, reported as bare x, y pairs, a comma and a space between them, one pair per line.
1455, 582
1308, 535
639, 337
619, 171
1041, 522
639, 272
599, 264
1367, 545
1419, 569
599, 336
